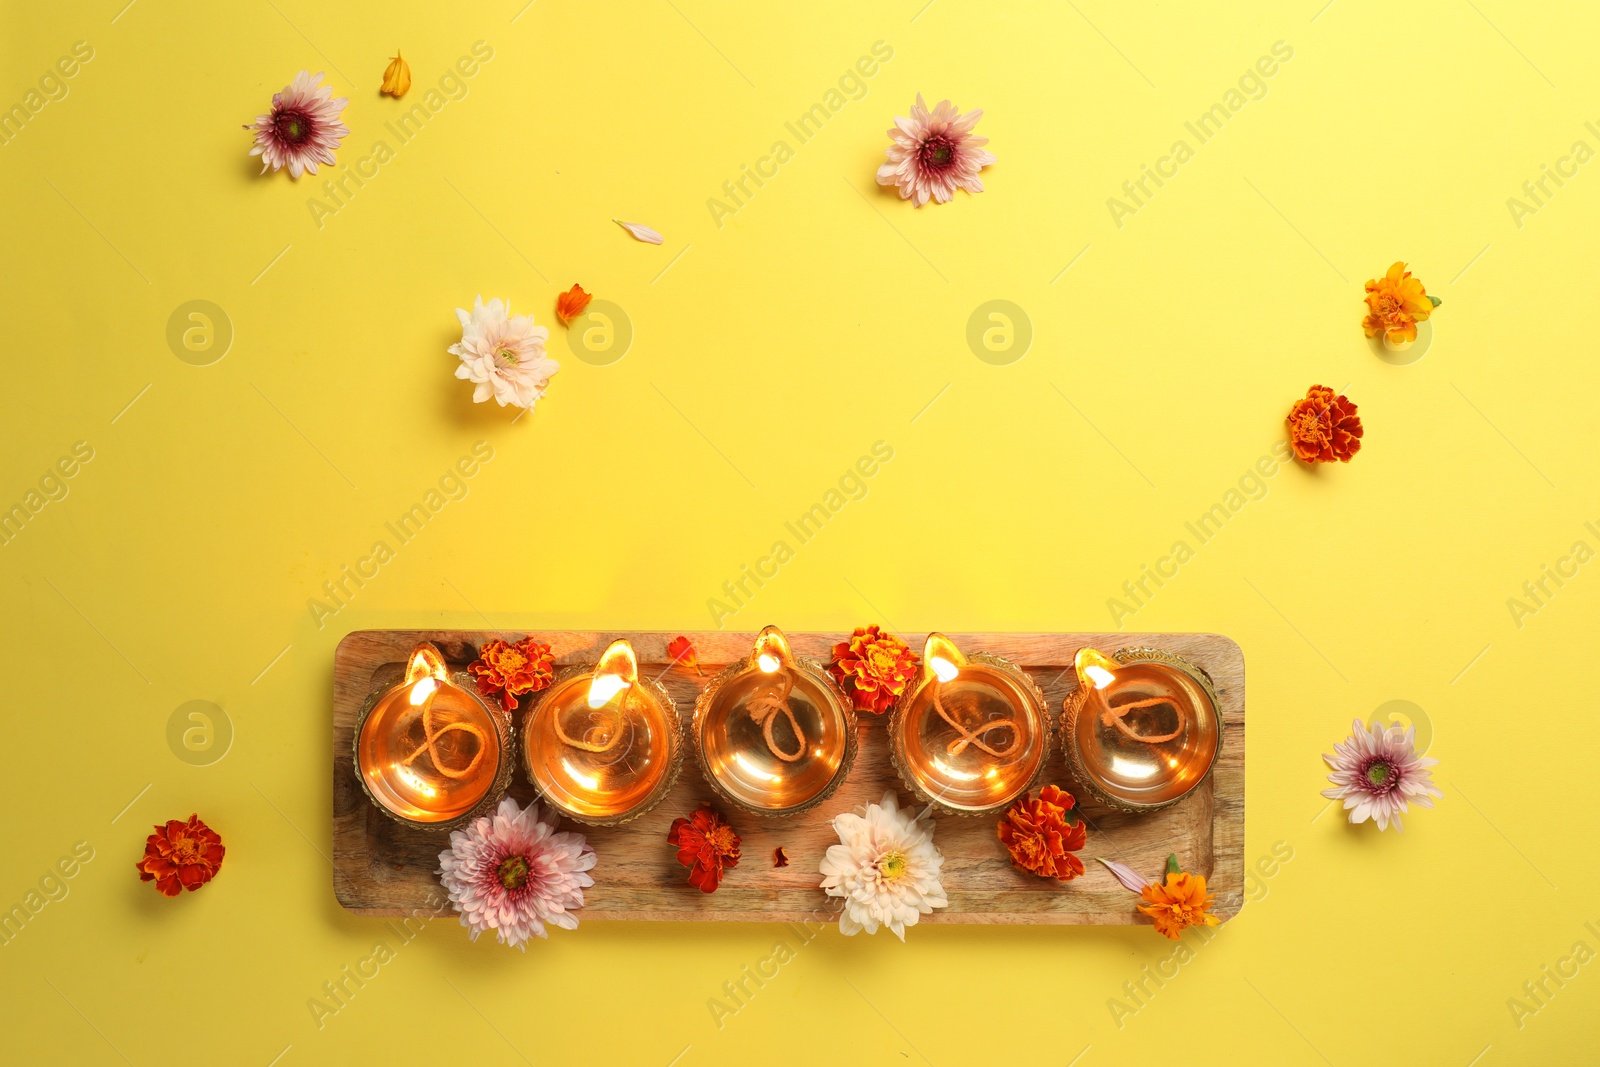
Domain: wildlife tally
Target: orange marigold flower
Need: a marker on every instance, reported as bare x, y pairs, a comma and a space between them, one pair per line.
512, 671
706, 845
873, 667
1395, 304
681, 649
1043, 834
570, 304
1324, 427
1179, 904
181, 855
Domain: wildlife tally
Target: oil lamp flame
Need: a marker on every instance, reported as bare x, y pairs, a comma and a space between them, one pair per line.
424, 671
1094, 668
617, 670
772, 650
942, 657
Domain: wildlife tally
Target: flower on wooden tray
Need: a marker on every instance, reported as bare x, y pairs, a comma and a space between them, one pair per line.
1042, 834
514, 873
707, 846
885, 867
1178, 903
510, 671
873, 667
682, 652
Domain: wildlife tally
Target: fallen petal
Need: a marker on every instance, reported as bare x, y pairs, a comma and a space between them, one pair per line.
640, 232
1130, 878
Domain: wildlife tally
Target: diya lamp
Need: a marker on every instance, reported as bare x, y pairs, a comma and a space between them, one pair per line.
429, 751
774, 734
602, 744
973, 734
1142, 729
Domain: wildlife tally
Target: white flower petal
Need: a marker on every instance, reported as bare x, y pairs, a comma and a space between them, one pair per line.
640, 232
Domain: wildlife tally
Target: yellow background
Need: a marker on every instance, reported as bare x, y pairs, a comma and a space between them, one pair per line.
822, 317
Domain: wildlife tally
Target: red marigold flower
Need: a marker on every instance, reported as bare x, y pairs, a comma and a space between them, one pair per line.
512, 671
181, 856
873, 667
1324, 427
706, 845
1043, 834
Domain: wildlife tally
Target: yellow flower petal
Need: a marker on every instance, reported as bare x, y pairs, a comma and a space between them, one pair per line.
396, 78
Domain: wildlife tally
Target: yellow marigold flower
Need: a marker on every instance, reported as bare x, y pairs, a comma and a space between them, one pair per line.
396, 78
1178, 905
1395, 304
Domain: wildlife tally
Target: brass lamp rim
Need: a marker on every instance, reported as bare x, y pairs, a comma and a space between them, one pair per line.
1072, 705
1036, 699
674, 735
504, 735
849, 729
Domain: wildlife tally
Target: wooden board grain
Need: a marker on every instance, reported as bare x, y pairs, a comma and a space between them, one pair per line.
383, 868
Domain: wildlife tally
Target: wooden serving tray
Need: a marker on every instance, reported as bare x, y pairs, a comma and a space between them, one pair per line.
383, 868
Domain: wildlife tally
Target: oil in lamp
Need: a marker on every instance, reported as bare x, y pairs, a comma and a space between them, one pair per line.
602, 744
773, 732
1142, 729
973, 734
429, 751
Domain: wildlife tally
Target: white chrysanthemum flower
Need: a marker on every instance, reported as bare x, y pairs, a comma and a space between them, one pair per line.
886, 867
503, 354
513, 873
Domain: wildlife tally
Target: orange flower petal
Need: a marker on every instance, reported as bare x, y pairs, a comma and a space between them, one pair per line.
571, 304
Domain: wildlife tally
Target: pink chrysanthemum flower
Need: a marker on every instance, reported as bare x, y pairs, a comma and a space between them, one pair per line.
513, 873
934, 154
503, 354
303, 127
1377, 774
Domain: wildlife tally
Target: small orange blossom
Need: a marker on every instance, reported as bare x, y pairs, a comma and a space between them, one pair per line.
1395, 304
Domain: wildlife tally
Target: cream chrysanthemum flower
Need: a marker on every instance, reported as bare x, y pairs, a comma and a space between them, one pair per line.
503, 354
513, 873
886, 867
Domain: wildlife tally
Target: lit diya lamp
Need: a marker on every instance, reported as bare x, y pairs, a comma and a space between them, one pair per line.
429, 751
774, 734
974, 733
1142, 729
602, 744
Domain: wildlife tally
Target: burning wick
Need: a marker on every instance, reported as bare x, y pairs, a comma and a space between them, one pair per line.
609, 732
971, 737
422, 693
771, 698
1114, 714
